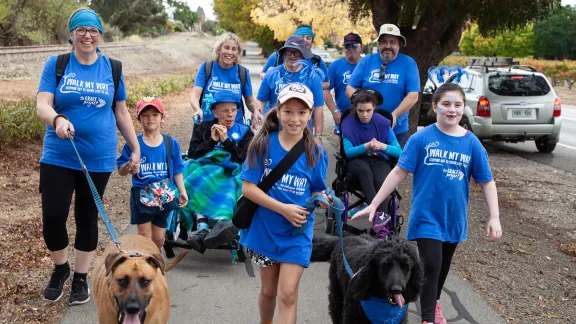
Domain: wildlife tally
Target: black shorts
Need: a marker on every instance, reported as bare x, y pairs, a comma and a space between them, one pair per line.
136, 218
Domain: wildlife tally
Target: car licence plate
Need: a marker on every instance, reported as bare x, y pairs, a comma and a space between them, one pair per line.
523, 113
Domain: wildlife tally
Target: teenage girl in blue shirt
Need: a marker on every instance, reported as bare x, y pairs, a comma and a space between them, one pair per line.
270, 240
442, 157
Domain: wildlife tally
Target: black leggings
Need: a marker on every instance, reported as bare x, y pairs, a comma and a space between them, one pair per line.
371, 172
56, 186
437, 257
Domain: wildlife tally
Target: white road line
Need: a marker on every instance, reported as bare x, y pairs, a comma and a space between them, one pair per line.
566, 146
569, 118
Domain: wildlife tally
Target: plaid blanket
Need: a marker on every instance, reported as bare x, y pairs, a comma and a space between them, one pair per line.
213, 185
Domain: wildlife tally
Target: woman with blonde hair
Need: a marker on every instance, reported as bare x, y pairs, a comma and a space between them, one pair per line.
223, 74
82, 101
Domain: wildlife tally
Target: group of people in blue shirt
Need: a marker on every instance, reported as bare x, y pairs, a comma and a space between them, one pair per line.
288, 109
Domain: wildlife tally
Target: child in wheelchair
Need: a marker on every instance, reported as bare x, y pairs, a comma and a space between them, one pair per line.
368, 151
224, 142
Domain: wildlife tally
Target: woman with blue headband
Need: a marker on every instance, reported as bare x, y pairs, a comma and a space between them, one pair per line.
80, 104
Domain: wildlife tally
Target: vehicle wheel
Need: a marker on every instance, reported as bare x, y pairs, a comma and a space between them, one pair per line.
168, 249
329, 225
464, 122
544, 146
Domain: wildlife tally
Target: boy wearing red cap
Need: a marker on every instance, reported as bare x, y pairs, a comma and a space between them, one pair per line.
153, 193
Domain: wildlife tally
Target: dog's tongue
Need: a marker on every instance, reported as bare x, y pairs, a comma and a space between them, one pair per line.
132, 319
399, 299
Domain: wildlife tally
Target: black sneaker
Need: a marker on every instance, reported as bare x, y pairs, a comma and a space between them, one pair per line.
53, 291
80, 293
196, 240
222, 233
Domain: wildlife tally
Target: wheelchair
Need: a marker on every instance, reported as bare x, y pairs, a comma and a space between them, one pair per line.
346, 186
177, 231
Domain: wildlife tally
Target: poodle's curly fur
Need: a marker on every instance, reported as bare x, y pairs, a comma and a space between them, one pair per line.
383, 268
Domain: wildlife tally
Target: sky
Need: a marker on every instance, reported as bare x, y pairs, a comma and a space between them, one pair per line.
572, 3
206, 5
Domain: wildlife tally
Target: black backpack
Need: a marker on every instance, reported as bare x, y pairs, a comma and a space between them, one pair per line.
241, 73
62, 63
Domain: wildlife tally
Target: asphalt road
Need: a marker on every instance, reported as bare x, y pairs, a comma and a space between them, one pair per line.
210, 289
563, 157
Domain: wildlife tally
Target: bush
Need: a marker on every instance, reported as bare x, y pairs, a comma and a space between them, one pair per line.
179, 26
111, 34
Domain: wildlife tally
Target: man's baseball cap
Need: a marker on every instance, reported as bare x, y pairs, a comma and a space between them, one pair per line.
225, 96
298, 91
352, 38
149, 101
390, 29
296, 42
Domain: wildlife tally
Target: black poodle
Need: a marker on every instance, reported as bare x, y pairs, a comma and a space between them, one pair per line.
389, 269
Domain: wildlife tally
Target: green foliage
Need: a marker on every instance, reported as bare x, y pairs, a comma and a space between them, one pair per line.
512, 43
111, 34
179, 26
28, 22
19, 122
234, 15
328, 43
183, 13
213, 28
132, 16
556, 36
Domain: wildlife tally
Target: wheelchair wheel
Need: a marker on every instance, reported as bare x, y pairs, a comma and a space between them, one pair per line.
330, 222
168, 248
241, 255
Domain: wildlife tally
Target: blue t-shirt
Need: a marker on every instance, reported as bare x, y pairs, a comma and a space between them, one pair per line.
221, 80
235, 133
442, 167
270, 233
84, 94
278, 78
339, 73
271, 62
153, 166
401, 78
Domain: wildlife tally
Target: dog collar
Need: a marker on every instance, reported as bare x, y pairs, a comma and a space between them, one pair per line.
383, 310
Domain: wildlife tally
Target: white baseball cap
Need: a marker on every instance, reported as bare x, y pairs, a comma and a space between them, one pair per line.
298, 91
390, 29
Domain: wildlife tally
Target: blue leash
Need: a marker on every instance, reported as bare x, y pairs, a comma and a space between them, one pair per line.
97, 199
377, 310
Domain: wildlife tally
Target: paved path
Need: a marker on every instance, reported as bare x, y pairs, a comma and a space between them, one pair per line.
210, 289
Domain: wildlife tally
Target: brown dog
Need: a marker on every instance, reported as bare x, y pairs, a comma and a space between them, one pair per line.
131, 287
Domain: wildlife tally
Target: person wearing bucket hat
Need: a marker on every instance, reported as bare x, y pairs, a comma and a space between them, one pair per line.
339, 73
82, 102
294, 70
393, 74
221, 133
304, 31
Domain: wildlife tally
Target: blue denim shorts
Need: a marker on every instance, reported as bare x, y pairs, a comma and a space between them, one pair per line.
136, 218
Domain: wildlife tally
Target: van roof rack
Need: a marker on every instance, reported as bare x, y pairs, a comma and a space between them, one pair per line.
482, 63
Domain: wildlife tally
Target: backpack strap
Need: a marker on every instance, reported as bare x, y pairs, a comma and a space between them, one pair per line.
208, 73
242, 75
116, 73
279, 59
61, 64
168, 144
316, 60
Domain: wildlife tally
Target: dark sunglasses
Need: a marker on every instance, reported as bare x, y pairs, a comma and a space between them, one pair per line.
382, 71
351, 46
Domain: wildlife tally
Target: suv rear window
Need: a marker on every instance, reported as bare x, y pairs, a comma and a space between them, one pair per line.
518, 85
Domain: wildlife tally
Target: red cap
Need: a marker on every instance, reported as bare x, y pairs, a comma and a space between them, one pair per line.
149, 101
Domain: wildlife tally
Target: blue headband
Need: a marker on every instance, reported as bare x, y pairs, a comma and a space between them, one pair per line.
85, 18
304, 30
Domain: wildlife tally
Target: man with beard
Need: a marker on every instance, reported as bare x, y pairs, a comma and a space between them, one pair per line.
393, 74
339, 73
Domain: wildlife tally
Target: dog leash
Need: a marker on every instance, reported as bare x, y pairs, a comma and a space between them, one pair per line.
101, 209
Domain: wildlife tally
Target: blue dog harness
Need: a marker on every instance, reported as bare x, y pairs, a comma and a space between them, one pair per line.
378, 311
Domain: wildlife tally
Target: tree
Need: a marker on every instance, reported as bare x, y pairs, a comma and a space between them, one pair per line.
510, 43
131, 16
234, 15
183, 13
433, 28
326, 17
555, 37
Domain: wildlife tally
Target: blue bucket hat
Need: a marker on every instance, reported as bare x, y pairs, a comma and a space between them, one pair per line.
225, 96
296, 42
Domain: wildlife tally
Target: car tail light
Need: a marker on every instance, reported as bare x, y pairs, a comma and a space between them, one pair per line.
483, 109
557, 107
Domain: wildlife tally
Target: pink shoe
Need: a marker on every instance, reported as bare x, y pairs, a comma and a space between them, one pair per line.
439, 318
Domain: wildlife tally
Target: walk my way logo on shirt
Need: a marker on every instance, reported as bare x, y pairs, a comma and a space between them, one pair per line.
215, 86
391, 78
435, 156
73, 85
151, 169
346, 76
288, 183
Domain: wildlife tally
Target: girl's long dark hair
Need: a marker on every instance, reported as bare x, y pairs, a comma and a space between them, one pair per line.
260, 144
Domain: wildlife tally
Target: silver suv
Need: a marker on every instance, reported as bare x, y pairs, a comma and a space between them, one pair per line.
508, 102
